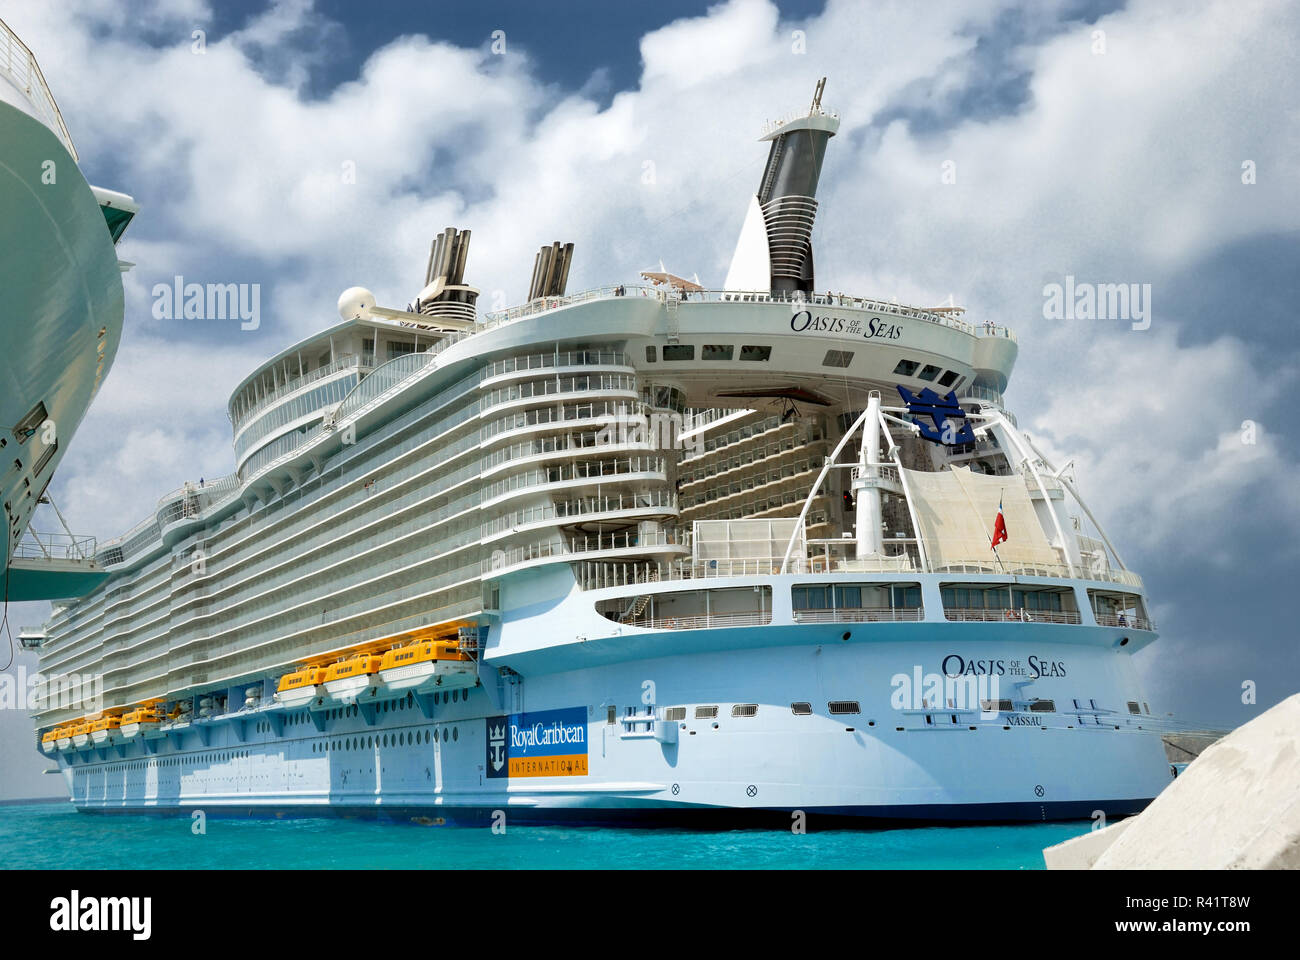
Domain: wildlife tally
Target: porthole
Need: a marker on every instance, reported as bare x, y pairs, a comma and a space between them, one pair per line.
455, 733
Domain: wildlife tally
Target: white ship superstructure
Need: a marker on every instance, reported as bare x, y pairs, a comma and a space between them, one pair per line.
61, 321
649, 550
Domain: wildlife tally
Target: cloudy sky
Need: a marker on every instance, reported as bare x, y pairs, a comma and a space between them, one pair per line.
1151, 143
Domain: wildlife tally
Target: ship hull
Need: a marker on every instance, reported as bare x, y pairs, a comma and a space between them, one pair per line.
63, 308
885, 763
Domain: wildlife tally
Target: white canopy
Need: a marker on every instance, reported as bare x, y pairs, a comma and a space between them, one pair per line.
956, 510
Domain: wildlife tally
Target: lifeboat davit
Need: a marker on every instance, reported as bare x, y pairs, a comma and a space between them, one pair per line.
137, 721
428, 665
298, 689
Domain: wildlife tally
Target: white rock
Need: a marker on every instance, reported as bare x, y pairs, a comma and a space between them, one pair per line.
1080, 853
1237, 806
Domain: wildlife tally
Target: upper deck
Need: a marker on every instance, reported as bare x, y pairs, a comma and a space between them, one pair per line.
24, 86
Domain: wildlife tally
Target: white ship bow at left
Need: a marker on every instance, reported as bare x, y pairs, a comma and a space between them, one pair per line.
62, 318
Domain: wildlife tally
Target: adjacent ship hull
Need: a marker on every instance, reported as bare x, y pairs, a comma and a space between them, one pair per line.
63, 312
63, 303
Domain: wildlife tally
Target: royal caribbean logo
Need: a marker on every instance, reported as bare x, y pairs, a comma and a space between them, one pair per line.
549, 743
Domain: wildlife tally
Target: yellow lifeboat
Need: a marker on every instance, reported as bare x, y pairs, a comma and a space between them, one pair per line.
352, 679
427, 665
63, 738
299, 688
81, 734
50, 741
105, 730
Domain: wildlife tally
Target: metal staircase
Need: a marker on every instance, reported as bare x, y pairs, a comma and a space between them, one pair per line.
674, 325
640, 603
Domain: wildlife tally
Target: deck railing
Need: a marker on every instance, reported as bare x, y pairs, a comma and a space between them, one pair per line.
985, 614
861, 615
19, 66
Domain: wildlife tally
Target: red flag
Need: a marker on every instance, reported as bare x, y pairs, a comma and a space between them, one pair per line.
999, 527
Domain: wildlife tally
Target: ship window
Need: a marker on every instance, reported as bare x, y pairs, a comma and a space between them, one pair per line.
675, 713
753, 352
705, 713
929, 372
455, 733
906, 368
1042, 706
1133, 707
837, 358
1145, 708
840, 707
948, 377
650, 354
744, 710
679, 351
611, 715
801, 709
713, 351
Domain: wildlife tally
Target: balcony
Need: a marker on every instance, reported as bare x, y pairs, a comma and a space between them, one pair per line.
980, 614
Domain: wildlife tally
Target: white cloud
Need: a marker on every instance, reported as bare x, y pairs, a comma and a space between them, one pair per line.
1122, 167
1158, 464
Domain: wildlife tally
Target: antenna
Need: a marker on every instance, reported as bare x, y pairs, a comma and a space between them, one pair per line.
817, 97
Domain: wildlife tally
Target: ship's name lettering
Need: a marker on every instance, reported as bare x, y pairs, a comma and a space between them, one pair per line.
955, 665
1018, 720
874, 329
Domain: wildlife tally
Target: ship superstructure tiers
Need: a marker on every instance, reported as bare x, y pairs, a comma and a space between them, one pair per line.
646, 550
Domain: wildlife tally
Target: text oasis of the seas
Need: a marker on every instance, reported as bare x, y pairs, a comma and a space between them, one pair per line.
955, 665
872, 329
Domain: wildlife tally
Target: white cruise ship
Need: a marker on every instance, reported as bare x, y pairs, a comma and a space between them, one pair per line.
62, 318
647, 552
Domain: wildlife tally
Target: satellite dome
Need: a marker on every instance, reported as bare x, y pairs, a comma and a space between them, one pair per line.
355, 303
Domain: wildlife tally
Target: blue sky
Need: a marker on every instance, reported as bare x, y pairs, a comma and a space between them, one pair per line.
1121, 166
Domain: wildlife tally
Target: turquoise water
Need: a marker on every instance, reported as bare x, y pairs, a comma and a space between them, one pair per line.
53, 836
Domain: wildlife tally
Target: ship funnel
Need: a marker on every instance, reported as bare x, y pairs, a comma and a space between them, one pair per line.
774, 254
445, 294
551, 271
